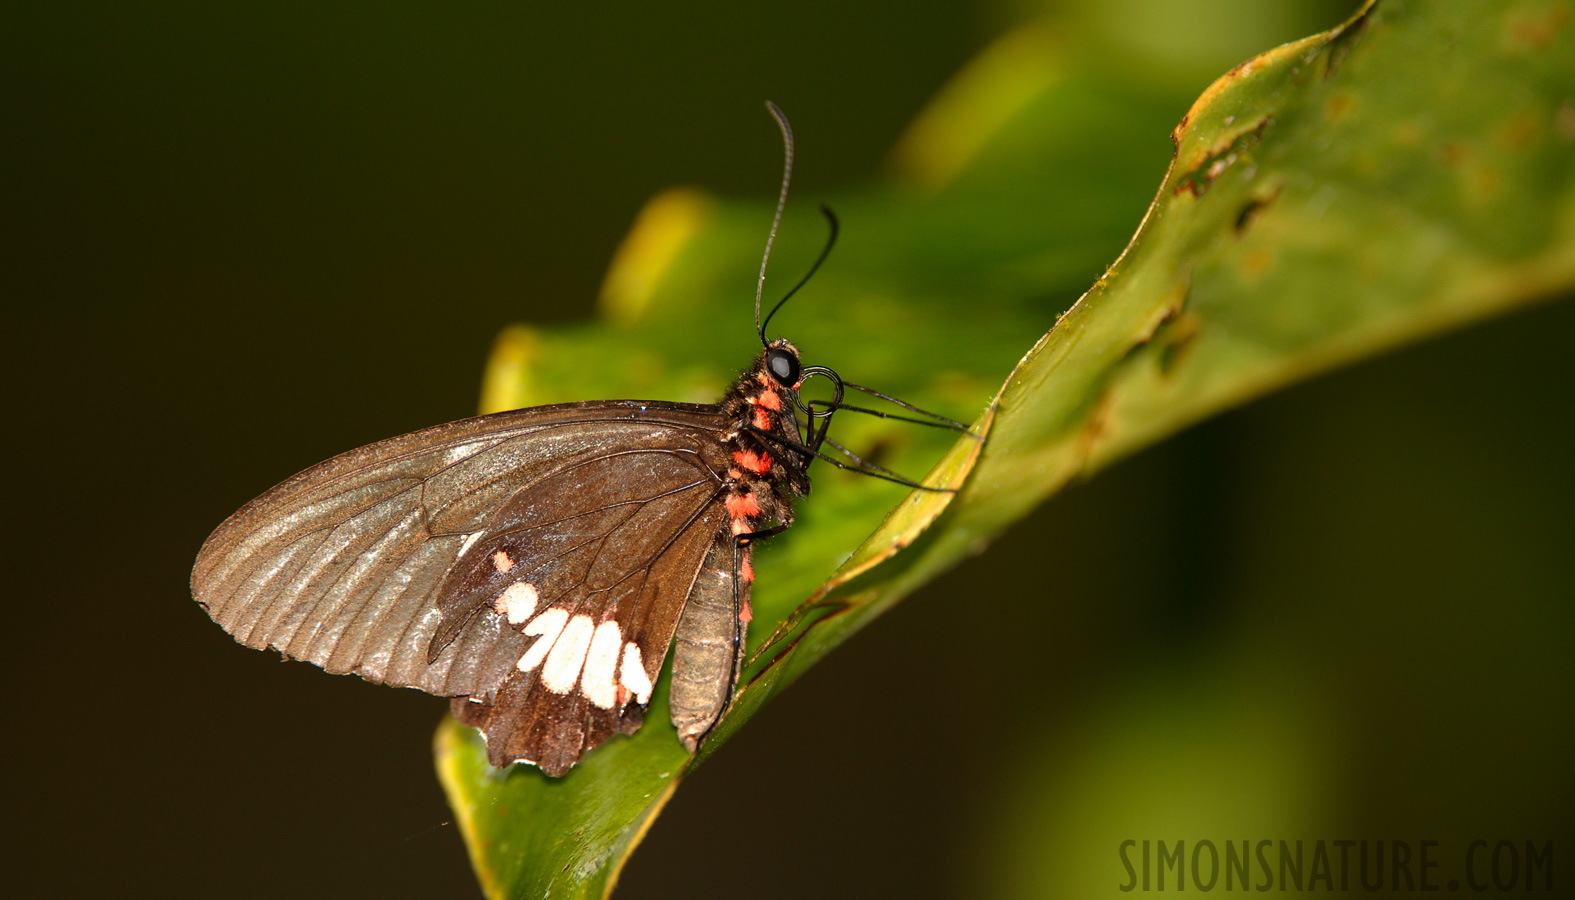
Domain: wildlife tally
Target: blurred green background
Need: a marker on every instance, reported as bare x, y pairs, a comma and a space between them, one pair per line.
240, 241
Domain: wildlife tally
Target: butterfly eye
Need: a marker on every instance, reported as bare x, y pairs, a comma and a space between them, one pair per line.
784, 366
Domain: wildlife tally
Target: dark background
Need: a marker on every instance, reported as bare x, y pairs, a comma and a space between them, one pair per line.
238, 242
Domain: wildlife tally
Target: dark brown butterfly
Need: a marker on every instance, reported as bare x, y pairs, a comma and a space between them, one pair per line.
536, 565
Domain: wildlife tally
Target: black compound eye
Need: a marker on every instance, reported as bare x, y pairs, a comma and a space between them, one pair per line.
783, 365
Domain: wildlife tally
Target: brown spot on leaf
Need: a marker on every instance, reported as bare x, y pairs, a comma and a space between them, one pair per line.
1176, 341
1160, 319
1163, 316
1534, 30
1408, 134
1340, 104
1520, 131
1251, 212
1095, 429
1564, 122
1486, 180
1217, 159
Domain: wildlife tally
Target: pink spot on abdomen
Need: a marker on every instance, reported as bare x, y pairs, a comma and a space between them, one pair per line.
758, 463
744, 505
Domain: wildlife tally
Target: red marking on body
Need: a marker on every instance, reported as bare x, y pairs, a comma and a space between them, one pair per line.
762, 419
742, 505
741, 526
747, 572
765, 380
734, 474
745, 614
770, 400
623, 697
758, 463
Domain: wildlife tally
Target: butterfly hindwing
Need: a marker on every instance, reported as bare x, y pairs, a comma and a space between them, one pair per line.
598, 590
595, 656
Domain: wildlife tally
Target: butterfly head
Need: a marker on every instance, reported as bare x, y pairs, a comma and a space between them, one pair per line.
780, 370
782, 364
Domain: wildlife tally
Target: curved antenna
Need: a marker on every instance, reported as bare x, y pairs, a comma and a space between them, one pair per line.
787, 175
831, 241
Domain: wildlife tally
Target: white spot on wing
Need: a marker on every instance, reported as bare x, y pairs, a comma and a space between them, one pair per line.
517, 602
568, 655
548, 624
502, 562
597, 682
632, 674
470, 541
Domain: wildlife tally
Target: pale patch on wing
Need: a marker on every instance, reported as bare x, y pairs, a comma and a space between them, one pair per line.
502, 562
548, 624
517, 602
632, 674
568, 655
597, 682
470, 539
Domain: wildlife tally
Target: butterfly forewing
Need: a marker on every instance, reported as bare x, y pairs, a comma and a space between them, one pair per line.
343, 564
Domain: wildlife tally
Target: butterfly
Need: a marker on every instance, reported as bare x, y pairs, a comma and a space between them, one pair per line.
536, 565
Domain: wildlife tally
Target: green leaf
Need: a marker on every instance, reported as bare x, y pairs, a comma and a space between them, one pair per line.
1405, 173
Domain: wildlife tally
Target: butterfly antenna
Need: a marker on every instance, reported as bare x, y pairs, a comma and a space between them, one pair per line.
831, 241
787, 175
